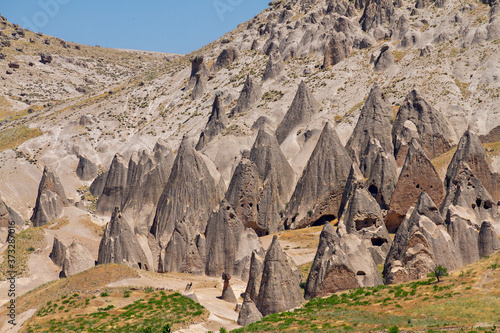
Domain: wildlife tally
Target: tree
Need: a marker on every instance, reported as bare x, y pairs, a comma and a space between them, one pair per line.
438, 272
166, 329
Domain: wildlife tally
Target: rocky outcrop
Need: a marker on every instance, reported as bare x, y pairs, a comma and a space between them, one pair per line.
227, 290
337, 49
277, 179
229, 245
250, 94
363, 217
303, 107
119, 244
376, 13
197, 67
184, 252
86, 169
243, 193
471, 151
217, 122
274, 68
374, 123
318, 193
200, 86
97, 185
384, 61
279, 288
417, 119
380, 169
249, 313
146, 178
190, 195
113, 192
488, 240
58, 253
8, 215
418, 174
77, 259
464, 235
420, 244
466, 191
255, 277
51, 199
226, 58
331, 271
492, 136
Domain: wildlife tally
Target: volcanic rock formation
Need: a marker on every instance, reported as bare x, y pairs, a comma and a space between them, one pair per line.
86, 169
279, 288
58, 252
77, 259
217, 122
249, 313
226, 57
51, 199
318, 193
337, 50
113, 192
250, 94
274, 68
303, 107
418, 174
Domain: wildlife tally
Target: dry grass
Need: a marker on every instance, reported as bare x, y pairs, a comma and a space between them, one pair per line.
460, 301
26, 242
57, 224
442, 161
97, 230
13, 137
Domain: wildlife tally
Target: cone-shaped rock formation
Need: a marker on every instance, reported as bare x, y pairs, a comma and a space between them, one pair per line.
418, 174
279, 288
431, 128
250, 94
249, 313
58, 252
86, 169
77, 259
488, 240
225, 58
255, 276
113, 192
303, 107
337, 50
51, 199
217, 122
374, 123
318, 193
274, 68
119, 244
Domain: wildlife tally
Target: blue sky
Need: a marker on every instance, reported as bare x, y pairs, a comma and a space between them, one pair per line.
153, 25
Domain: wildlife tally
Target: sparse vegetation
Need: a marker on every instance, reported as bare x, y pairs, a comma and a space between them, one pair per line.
13, 137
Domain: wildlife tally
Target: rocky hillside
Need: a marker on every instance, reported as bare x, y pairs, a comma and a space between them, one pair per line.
377, 119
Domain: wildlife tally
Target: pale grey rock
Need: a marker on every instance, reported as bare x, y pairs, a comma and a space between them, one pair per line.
113, 192
58, 253
376, 12
318, 193
255, 276
217, 122
250, 94
274, 68
200, 86
488, 240
303, 107
77, 259
279, 288
464, 235
86, 169
97, 185
119, 244
225, 58
337, 50
9, 215
384, 61
51, 199
249, 313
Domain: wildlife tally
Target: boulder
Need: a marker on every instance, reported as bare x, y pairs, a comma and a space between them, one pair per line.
417, 119
250, 94
190, 195
51, 199
331, 271
317, 196
279, 289
46, 58
337, 49
374, 123
303, 107
471, 151
225, 58
217, 122
58, 253
488, 240
418, 174
197, 67
86, 169
249, 313
274, 68
77, 259
119, 244
113, 192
